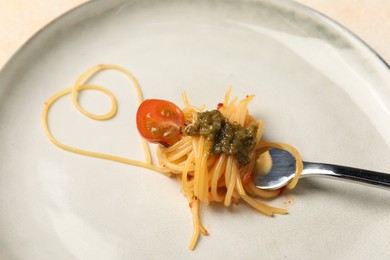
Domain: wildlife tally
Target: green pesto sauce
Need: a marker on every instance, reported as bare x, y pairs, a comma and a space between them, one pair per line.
225, 137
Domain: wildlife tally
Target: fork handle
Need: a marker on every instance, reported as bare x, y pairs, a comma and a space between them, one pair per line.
372, 178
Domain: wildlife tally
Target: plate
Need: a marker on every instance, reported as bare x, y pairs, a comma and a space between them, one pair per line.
317, 87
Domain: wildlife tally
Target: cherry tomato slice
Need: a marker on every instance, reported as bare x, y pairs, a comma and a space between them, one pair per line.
160, 121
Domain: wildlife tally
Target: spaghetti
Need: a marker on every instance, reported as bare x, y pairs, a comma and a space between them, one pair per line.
205, 178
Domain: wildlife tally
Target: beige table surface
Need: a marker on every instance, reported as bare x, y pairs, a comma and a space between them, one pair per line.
369, 19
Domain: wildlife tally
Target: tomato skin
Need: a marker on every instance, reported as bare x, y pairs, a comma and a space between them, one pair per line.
160, 121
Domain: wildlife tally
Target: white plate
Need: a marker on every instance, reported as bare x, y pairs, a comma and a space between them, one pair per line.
317, 87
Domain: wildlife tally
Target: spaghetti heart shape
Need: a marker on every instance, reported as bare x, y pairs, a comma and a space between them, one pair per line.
80, 85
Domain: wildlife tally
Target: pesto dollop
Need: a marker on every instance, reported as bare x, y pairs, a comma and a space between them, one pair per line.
225, 137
